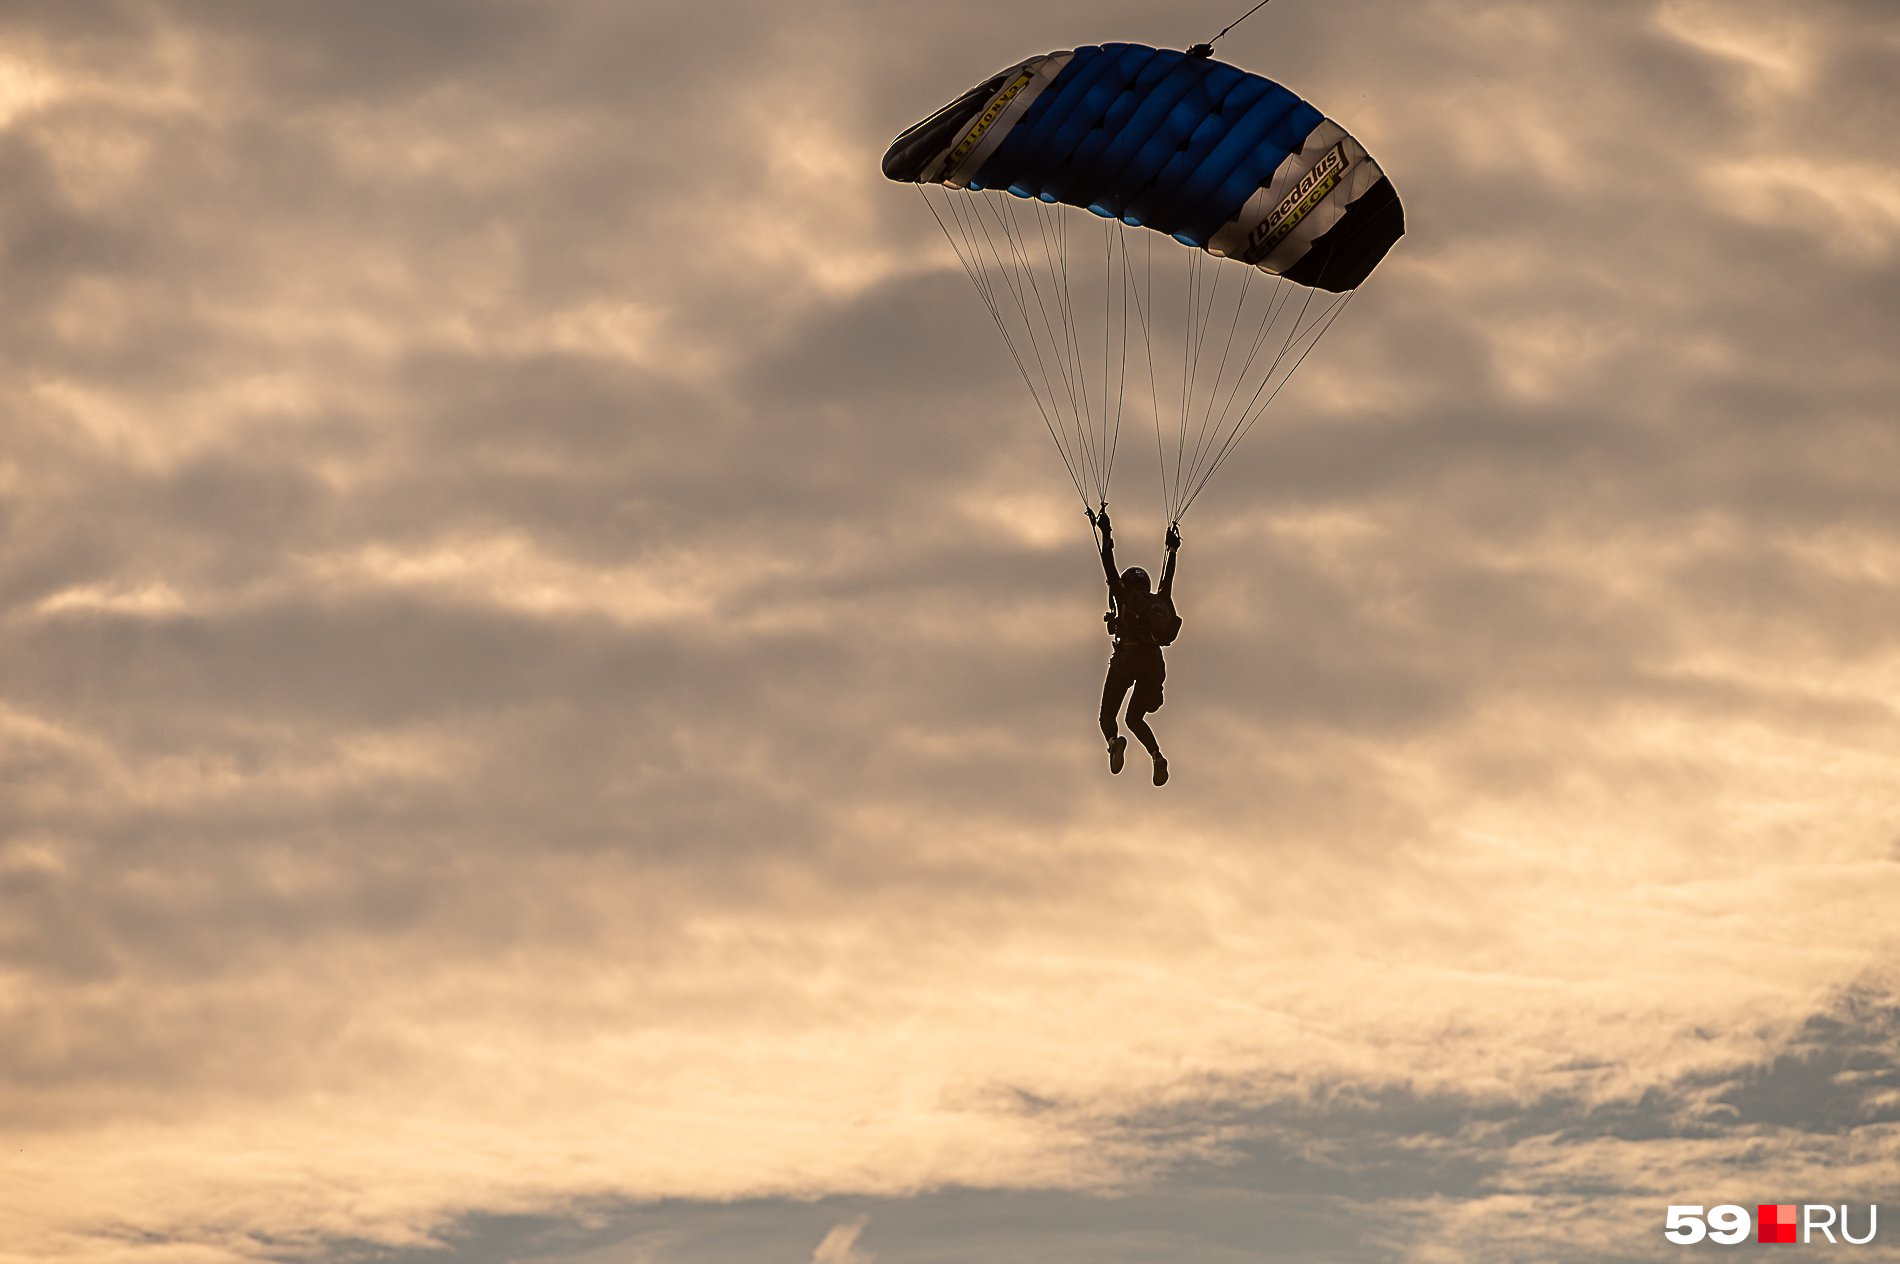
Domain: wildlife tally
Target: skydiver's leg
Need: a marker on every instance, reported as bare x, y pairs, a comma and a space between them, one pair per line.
1147, 700
1113, 689
1138, 725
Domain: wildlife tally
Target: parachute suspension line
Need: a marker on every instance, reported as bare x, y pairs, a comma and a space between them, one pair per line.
1021, 253
1058, 295
1025, 272
1118, 235
1146, 286
1091, 429
1190, 359
1108, 341
1032, 267
1110, 236
1322, 323
1072, 343
1012, 281
1190, 310
1209, 45
1038, 285
1046, 399
1204, 320
971, 260
1275, 306
1085, 420
1311, 335
1220, 434
1210, 419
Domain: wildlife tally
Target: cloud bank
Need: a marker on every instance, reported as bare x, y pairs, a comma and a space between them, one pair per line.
545, 665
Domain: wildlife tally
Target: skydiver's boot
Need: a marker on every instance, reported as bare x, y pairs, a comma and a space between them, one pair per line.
1161, 769
1116, 750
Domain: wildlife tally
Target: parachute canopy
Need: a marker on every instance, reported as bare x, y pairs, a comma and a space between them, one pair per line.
1157, 144
1194, 148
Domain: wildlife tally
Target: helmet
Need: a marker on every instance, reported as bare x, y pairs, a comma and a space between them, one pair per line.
1135, 577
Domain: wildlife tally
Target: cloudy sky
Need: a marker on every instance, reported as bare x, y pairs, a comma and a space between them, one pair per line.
547, 668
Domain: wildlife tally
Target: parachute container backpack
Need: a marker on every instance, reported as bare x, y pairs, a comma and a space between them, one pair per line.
1229, 224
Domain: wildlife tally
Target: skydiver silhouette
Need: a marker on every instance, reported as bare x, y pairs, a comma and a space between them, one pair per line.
1141, 622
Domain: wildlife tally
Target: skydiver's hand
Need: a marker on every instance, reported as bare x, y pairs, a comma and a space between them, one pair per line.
1101, 520
1174, 535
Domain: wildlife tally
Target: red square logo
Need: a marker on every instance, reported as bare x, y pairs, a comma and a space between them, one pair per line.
1774, 1222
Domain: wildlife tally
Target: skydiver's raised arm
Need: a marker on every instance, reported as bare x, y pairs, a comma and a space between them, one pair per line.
1174, 549
1108, 551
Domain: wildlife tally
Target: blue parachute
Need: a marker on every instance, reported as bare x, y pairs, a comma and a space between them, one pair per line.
1221, 160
